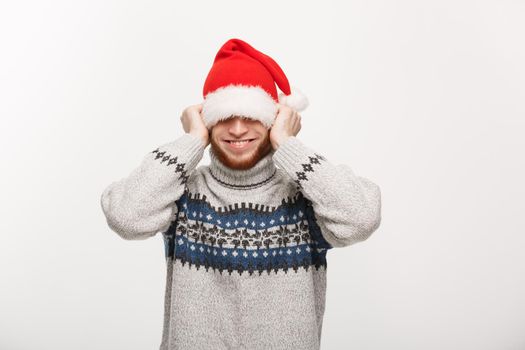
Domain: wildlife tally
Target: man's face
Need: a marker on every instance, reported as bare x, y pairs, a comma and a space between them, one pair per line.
243, 155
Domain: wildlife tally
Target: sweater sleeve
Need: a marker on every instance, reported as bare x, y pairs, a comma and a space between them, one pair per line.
347, 207
143, 203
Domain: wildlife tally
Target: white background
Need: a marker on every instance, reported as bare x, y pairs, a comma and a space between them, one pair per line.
424, 98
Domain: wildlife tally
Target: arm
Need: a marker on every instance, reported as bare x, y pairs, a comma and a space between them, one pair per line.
143, 203
347, 207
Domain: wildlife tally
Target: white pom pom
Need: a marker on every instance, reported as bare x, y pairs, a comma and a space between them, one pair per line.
296, 100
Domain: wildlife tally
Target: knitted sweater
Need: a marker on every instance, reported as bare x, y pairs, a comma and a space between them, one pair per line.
245, 250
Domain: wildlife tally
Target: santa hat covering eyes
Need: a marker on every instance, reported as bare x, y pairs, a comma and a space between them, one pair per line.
242, 82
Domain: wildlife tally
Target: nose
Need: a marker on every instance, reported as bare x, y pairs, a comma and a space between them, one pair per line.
238, 126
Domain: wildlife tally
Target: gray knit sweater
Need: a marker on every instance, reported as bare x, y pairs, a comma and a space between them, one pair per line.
245, 249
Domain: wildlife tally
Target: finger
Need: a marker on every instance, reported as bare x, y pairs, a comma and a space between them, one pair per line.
296, 124
298, 120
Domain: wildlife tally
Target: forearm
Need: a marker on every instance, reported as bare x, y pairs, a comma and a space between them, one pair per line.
347, 207
143, 203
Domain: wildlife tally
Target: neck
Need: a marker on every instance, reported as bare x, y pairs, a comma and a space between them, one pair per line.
258, 175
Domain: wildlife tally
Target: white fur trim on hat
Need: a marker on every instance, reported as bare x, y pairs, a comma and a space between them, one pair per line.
235, 99
296, 100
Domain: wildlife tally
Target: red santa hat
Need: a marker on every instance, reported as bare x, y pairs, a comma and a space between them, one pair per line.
242, 82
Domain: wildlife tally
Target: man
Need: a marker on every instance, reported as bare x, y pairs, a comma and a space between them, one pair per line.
245, 237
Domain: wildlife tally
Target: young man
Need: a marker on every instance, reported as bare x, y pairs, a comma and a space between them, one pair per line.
245, 237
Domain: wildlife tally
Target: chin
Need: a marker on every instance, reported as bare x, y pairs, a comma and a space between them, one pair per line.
243, 161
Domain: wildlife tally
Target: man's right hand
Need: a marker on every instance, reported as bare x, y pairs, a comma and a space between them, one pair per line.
193, 123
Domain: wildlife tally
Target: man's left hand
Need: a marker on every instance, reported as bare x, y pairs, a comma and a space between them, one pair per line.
287, 123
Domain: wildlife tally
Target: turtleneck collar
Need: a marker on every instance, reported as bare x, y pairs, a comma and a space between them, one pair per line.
258, 175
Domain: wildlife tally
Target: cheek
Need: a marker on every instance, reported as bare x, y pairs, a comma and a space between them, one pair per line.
213, 134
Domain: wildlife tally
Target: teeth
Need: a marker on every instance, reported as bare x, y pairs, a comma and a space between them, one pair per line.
239, 142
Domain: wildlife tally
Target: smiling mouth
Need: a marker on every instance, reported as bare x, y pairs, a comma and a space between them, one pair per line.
239, 143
